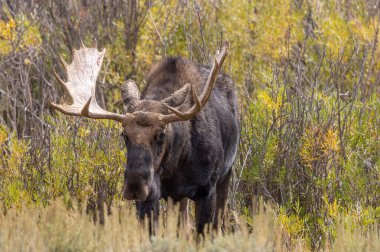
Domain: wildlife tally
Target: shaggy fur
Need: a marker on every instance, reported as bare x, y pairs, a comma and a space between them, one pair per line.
190, 159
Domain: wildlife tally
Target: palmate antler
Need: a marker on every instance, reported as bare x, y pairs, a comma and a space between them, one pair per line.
81, 85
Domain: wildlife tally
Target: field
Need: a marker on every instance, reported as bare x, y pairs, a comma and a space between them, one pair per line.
55, 228
307, 174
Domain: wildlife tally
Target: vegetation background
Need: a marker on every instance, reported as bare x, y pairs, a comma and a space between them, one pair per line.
308, 76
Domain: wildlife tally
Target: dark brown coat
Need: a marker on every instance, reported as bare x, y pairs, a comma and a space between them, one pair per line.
195, 157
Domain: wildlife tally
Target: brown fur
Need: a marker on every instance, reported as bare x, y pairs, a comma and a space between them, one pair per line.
190, 159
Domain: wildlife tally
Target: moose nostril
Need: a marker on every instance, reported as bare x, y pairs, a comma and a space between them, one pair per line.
146, 176
136, 191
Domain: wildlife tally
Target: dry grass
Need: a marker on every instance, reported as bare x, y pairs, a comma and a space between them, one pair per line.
55, 228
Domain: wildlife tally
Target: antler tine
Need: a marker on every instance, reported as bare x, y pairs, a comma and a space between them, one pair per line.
199, 102
61, 82
81, 85
197, 105
63, 62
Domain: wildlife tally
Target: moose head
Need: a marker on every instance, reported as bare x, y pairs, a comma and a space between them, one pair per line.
147, 124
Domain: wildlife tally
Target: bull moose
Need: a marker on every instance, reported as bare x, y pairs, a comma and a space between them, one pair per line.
179, 145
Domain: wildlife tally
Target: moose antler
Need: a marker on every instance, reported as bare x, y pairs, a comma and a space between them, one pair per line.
81, 84
199, 102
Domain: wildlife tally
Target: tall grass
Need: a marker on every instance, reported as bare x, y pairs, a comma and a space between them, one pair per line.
56, 228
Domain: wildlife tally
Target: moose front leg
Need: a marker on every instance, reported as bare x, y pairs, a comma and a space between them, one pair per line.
184, 213
149, 209
205, 212
184, 219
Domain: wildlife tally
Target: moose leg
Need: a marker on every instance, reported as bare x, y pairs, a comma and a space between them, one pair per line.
221, 200
150, 209
205, 211
184, 220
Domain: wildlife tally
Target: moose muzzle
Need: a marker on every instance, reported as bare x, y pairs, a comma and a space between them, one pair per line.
136, 191
138, 173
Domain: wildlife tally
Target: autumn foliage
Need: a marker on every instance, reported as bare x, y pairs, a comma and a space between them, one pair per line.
308, 78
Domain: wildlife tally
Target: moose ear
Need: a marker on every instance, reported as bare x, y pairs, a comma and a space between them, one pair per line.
130, 94
179, 97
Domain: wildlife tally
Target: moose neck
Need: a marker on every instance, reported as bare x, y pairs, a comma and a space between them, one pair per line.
177, 150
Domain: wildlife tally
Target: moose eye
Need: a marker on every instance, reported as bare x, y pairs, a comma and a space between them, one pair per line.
160, 138
125, 137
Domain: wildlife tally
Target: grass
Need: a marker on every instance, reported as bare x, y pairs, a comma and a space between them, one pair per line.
56, 228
